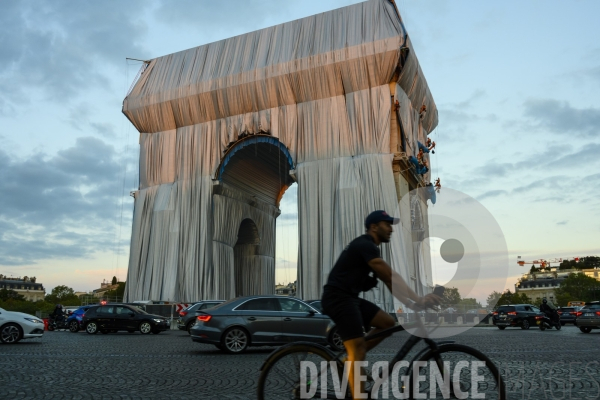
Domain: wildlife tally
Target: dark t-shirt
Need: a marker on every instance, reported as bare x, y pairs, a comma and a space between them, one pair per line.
352, 269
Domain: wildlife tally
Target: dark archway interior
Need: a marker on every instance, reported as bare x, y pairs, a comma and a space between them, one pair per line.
244, 251
260, 170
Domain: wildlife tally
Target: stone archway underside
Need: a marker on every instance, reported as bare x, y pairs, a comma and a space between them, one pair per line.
322, 86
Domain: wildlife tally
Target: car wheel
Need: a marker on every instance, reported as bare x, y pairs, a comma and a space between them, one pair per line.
91, 328
542, 327
558, 327
335, 340
525, 324
189, 326
145, 327
235, 340
10, 333
74, 326
502, 328
585, 329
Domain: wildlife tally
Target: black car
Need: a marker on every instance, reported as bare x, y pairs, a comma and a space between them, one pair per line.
588, 317
122, 317
263, 321
568, 315
517, 315
187, 317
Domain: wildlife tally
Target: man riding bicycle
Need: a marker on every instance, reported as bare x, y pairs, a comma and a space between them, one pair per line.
358, 269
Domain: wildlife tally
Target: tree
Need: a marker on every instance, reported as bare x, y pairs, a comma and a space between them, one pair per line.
117, 293
64, 295
114, 280
509, 297
577, 287
6, 294
450, 297
493, 299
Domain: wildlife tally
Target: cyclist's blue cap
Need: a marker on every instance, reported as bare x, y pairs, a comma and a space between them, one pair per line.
378, 216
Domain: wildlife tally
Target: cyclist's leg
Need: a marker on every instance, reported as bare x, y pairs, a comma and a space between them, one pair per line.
357, 351
380, 322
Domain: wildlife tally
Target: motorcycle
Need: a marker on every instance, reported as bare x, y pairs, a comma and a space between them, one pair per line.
549, 321
58, 323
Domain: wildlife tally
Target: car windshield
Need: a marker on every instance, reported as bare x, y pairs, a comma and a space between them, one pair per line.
137, 310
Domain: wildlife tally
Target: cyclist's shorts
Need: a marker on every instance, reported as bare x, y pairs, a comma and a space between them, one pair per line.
352, 315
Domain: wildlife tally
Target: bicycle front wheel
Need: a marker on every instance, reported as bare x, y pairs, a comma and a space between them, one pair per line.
457, 372
302, 371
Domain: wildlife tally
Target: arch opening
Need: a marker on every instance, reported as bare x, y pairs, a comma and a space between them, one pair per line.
245, 254
258, 166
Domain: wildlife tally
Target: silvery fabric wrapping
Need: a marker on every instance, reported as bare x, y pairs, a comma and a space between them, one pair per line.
321, 86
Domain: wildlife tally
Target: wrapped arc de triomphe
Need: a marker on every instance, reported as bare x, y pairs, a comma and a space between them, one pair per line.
332, 102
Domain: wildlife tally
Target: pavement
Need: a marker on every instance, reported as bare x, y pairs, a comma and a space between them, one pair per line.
552, 364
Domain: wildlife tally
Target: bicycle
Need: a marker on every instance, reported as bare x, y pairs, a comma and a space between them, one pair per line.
283, 376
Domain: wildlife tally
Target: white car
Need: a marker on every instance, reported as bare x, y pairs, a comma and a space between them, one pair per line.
15, 326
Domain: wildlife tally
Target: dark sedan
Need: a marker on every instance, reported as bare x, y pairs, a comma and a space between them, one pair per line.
122, 317
187, 317
263, 321
568, 315
588, 317
517, 315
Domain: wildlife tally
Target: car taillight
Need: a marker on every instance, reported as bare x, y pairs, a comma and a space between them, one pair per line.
495, 313
204, 318
512, 313
183, 313
539, 317
578, 313
560, 312
598, 313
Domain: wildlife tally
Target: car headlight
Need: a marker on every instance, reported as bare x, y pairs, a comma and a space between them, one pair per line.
158, 320
35, 321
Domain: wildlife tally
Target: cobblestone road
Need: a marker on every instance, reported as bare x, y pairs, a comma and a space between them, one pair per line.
536, 365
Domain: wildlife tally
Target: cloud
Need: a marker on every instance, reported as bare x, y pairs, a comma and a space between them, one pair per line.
60, 48
288, 217
559, 117
63, 206
492, 193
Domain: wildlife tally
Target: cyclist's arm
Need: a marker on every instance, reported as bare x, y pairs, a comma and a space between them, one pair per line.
399, 287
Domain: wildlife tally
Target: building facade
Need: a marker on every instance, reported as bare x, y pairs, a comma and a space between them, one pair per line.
25, 286
336, 103
538, 285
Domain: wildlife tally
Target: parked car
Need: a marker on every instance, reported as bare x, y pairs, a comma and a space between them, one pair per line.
187, 317
316, 304
513, 315
588, 317
122, 317
75, 320
568, 314
15, 326
263, 321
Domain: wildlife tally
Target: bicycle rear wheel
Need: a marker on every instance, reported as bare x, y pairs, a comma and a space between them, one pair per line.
455, 371
301, 371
